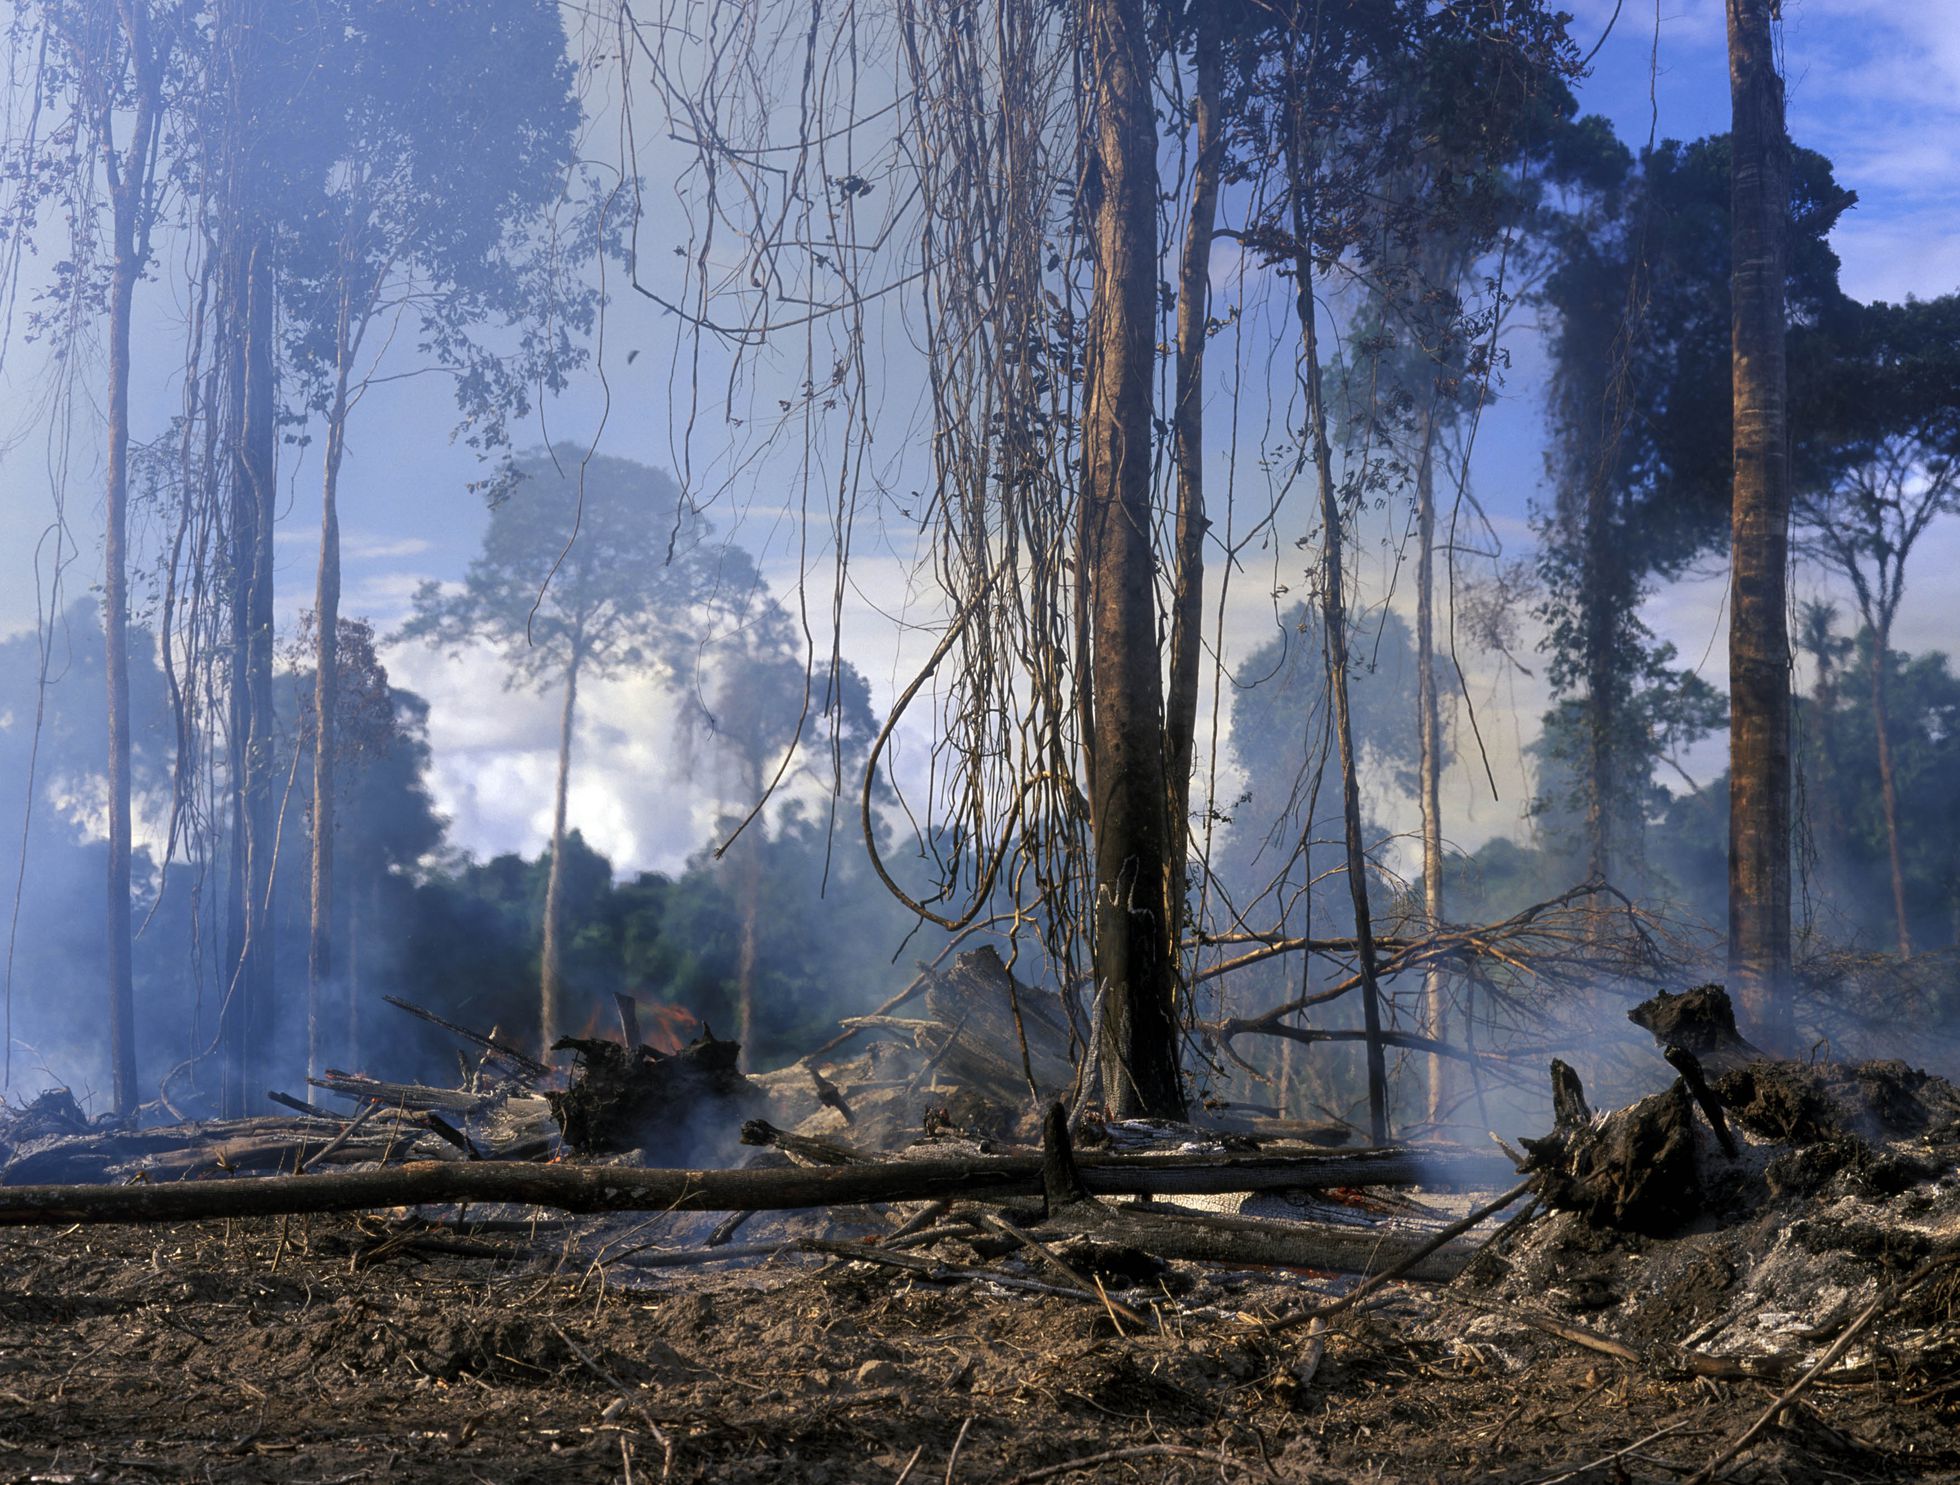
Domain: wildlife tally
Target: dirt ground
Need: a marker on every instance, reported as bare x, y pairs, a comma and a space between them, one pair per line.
331, 1349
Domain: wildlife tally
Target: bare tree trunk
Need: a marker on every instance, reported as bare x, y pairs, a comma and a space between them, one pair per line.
1134, 956
129, 175
359, 924
1188, 424
750, 896
261, 431
115, 645
1888, 786
247, 1005
1429, 763
1600, 596
326, 689
1333, 608
1759, 641
551, 985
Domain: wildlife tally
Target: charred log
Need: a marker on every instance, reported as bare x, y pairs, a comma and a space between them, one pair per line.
1633, 1169
640, 1098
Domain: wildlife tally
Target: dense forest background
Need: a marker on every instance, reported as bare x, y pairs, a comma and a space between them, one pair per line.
311, 220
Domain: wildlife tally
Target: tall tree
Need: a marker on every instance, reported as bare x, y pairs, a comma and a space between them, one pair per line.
1135, 963
1759, 638
1187, 426
1640, 415
120, 66
592, 567
1890, 476
451, 129
780, 722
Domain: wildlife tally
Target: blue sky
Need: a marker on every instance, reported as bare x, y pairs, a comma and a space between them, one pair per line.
1876, 86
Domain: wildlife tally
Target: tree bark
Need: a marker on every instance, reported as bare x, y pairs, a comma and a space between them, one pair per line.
1759, 643
551, 986
1429, 763
1888, 786
1187, 425
1333, 609
326, 692
1133, 951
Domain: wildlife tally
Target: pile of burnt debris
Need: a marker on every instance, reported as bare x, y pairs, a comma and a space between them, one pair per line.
1794, 1222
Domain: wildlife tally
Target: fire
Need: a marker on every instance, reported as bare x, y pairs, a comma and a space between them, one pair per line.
665, 1028
668, 1028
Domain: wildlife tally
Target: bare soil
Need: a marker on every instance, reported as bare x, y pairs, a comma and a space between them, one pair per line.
332, 1349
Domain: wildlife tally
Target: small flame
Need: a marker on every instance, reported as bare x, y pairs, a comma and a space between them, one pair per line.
665, 1028
668, 1028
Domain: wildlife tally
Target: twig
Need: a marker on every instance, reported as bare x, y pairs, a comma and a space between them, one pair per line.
626, 1395
1885, 1301
1067, 1270
906, 1473
1118, 1456
516, 1057
353, 1126
1394, 1271
1606, 1459
954, 1458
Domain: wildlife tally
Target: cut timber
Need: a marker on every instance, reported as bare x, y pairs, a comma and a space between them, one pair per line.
621, 1189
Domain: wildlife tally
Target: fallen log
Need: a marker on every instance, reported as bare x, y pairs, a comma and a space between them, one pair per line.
1203, 1237
575, 1188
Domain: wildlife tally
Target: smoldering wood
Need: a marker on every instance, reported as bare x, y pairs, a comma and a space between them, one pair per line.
1633, 1169
414, 1097
641, 1098
1569, 1107
620, 1189
217, 1148
1689, 1066
1701, 1021
801, 1148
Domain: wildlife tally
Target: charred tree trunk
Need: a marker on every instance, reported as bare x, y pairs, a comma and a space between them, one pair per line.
1759, 642
1187, 425
551, 970
1429, 763
1888, 790
1134, 956
326, 700
1333, 609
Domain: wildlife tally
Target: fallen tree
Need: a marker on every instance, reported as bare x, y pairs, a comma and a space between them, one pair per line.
621, 1189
